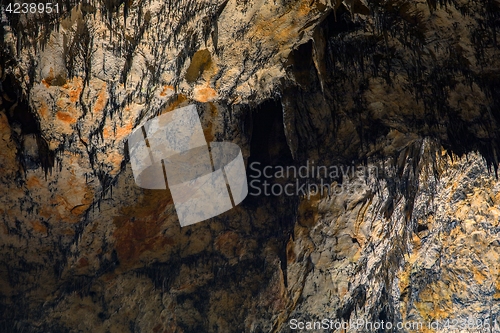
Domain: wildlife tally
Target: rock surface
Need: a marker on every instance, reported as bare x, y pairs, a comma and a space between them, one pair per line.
406, 89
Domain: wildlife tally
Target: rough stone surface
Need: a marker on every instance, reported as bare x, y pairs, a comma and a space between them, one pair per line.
406, 88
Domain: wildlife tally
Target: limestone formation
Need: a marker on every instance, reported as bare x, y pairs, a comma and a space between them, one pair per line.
406, 89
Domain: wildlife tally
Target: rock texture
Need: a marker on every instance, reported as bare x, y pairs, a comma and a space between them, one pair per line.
406, 88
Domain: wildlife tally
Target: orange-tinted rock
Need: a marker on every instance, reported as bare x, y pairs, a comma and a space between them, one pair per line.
66, 117
33, 181
119, 133
39, 227
138, 228
204, 94
102, 98
74, 89
44, 110
178, 102
167, 90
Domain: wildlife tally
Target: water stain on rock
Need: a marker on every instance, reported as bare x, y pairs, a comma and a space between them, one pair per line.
138, 227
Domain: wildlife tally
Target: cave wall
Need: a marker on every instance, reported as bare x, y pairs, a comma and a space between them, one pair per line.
404, 87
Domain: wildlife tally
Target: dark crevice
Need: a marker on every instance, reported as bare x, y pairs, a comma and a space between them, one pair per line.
24, 123
268, 142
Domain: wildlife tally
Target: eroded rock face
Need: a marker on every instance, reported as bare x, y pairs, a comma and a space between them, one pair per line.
403, 88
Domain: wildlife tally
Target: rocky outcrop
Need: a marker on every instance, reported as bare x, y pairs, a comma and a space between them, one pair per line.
405, 89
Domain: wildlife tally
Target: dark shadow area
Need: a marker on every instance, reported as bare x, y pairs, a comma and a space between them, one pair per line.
24, 123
